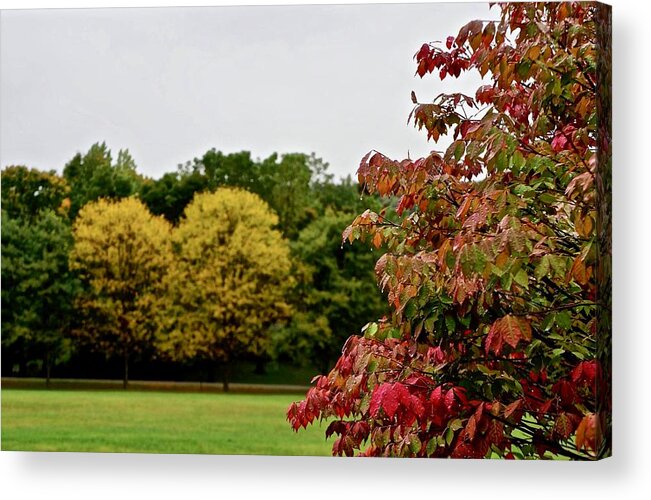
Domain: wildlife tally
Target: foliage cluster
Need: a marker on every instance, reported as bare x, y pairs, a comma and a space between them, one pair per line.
141, 281
497, 263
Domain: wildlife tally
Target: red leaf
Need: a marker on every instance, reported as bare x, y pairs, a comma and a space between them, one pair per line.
585, 372
376, 399
493, 341
495, 431
588, 433
422, 68
423, 52
417, 407
566, 391
485, 94
509, 329
510, 409
471, 427
389, 397
391, 402
436, 397
449, 399
559, 143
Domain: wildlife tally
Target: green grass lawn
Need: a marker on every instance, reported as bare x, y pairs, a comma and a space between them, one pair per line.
154, 422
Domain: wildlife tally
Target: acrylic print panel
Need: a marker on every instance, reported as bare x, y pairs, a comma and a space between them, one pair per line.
317, 276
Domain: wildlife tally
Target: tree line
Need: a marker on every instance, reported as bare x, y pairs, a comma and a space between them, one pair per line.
228, 258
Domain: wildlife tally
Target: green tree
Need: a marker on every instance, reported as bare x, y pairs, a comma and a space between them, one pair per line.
38, 288
28, 191
94, 175
286, 185
235, 169
122, 252
169, 195
229, 282
282, 181
336, 296
291, 184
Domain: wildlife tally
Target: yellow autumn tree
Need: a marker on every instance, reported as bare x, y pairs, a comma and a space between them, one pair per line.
230, 280
122, 253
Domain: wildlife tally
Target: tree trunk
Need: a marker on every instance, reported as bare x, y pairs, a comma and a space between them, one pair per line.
226, 376
48, 368
125, 380
260, 366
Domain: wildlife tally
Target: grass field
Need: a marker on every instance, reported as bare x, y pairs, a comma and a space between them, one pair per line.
154, 422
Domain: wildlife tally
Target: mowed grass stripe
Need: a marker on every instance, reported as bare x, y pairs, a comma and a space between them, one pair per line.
144, 422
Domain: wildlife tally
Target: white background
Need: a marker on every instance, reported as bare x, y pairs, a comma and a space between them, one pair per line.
170, 83
626, 475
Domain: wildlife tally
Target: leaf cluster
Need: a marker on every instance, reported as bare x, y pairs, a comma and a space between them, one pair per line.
496, 344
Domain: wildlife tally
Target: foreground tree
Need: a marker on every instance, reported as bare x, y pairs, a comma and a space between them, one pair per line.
228, 284
121, 252
499, 339
38, 288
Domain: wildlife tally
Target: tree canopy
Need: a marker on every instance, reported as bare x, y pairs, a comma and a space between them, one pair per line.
38, 288
26, 192
95, 175
121, 252
296, 187
229, 280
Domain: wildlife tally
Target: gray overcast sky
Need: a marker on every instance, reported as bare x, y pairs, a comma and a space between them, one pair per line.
170, 83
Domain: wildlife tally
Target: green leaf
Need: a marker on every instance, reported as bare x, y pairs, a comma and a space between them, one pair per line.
365, 403
449, 436
432, 444
459, 148
479, 260
450, 323
521, 278
394, 333
450, 260
496, 270
382, 334
429, 323
548, 321
455, 424
485, 370
445, 299
547, 198
370, 330
501, 161
506, 281
523, 69
414, 443
517, 162
543, 267
563, 320
523, 189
